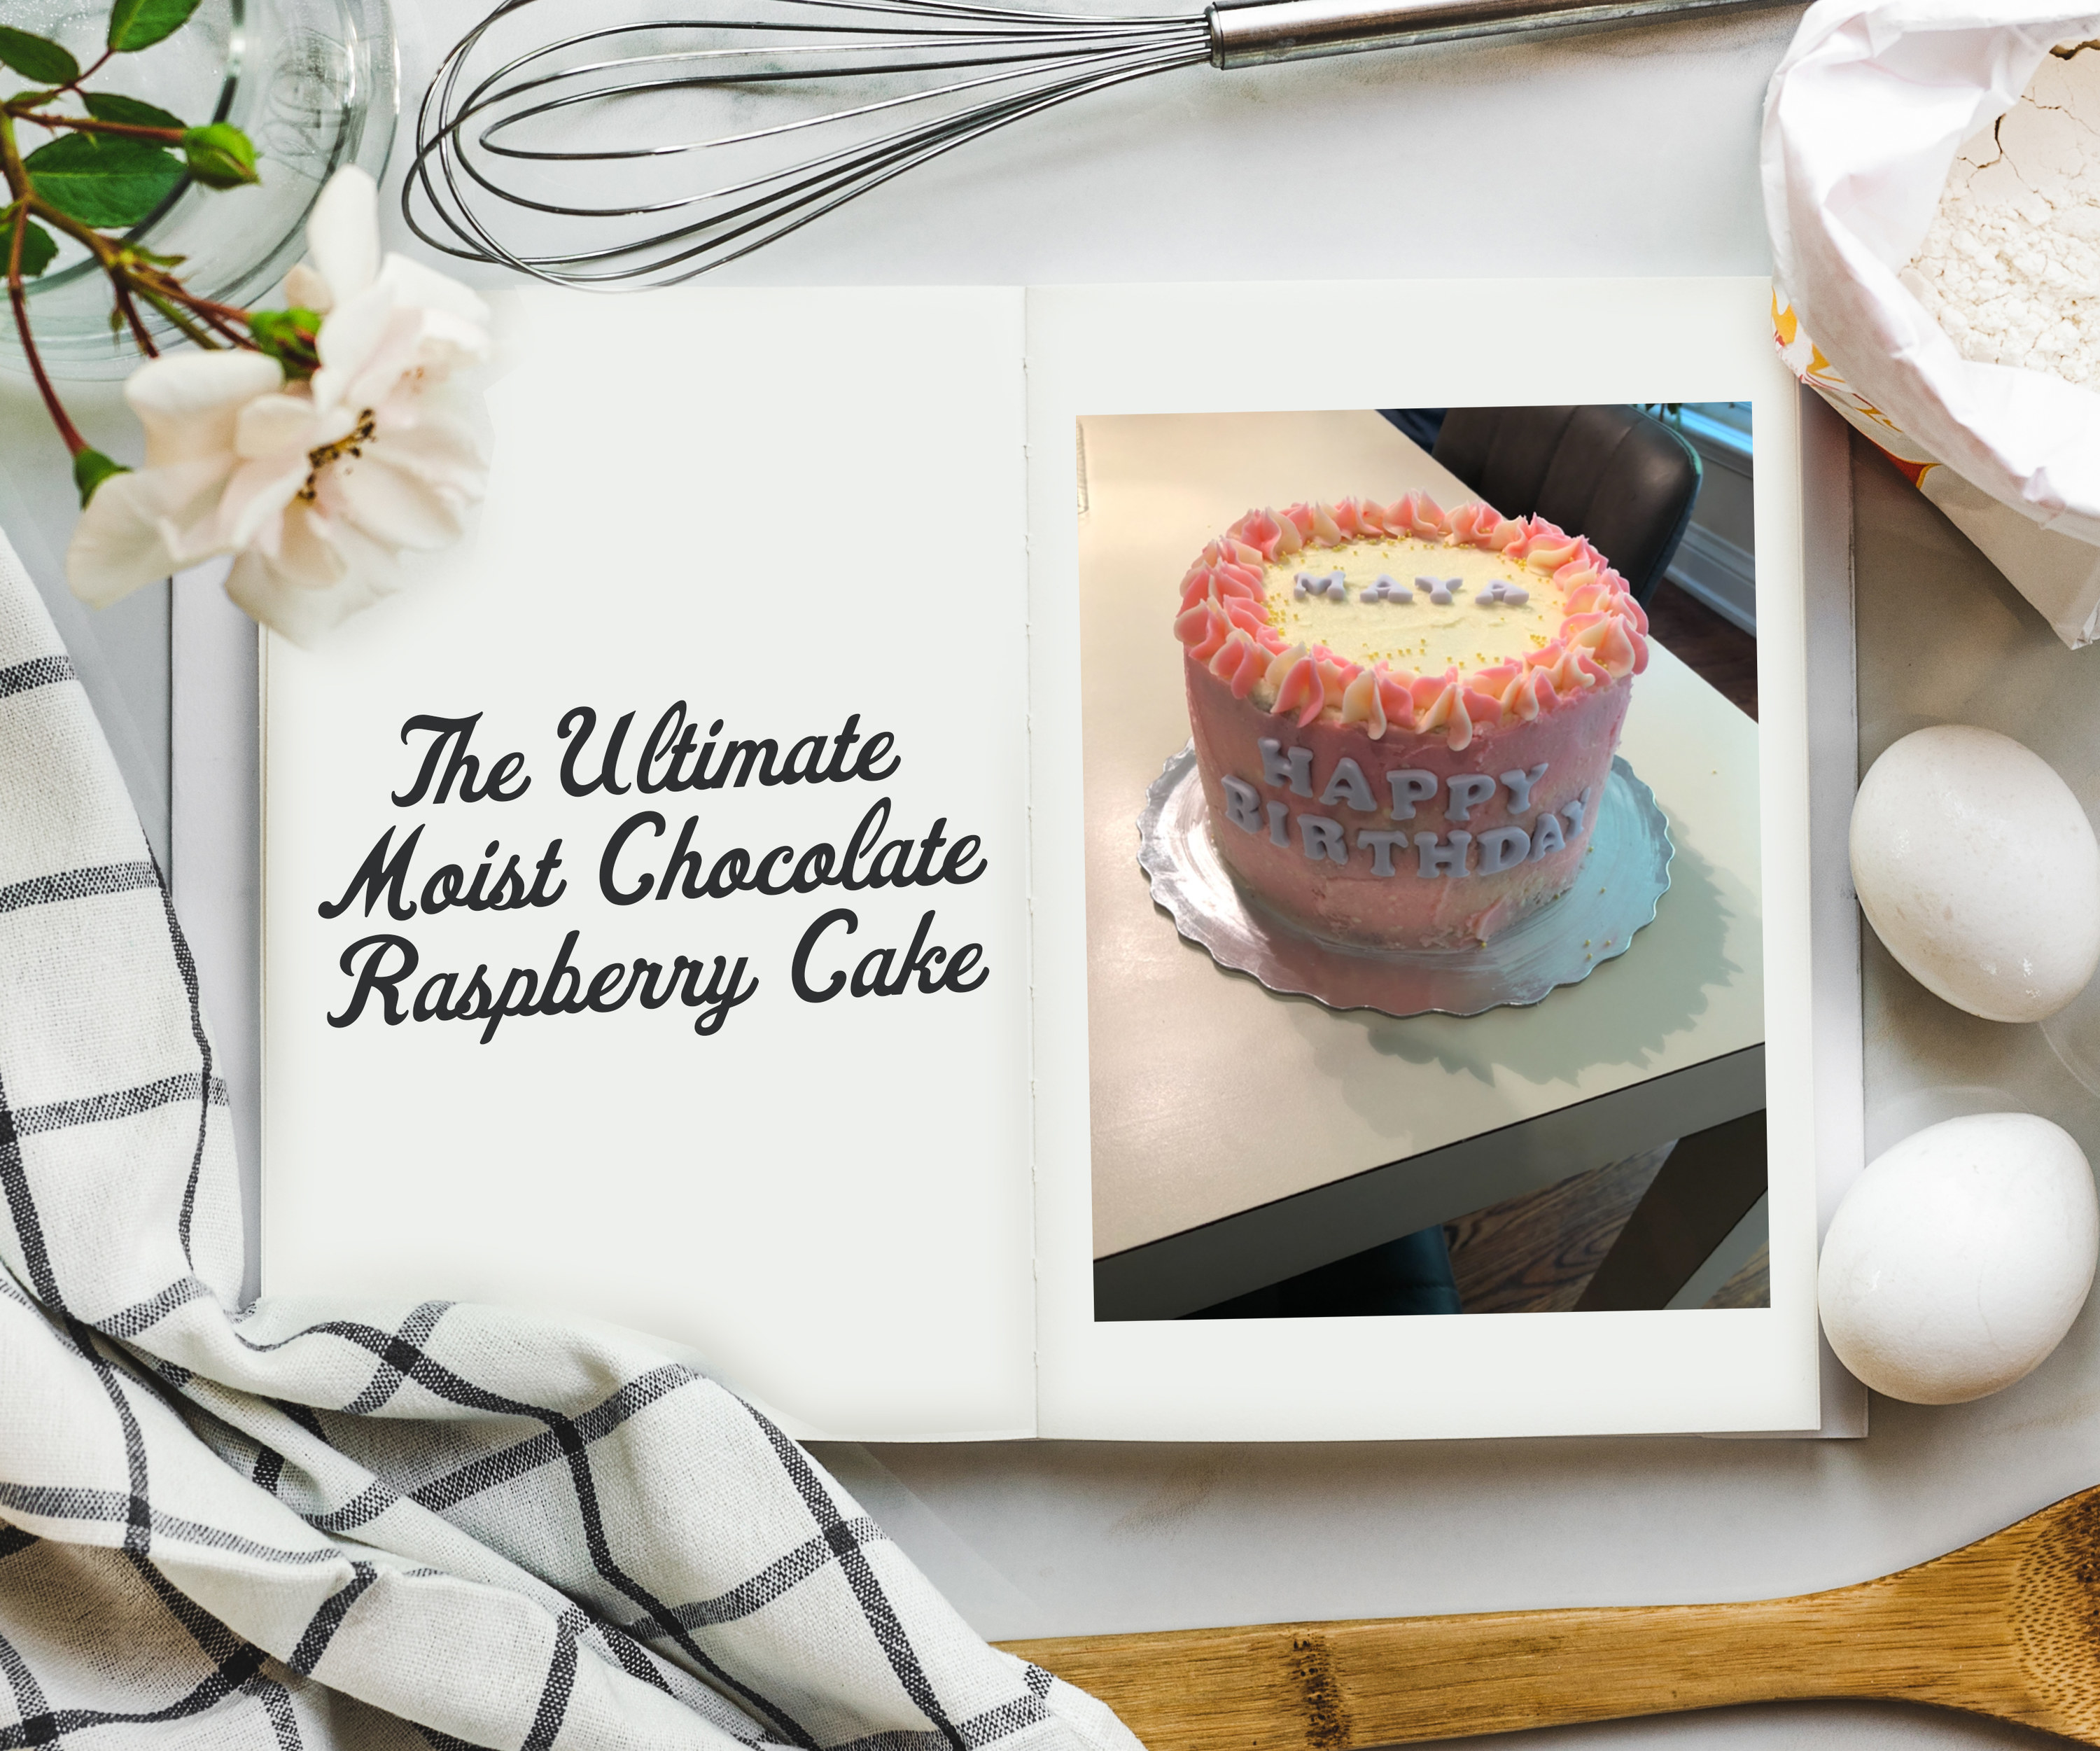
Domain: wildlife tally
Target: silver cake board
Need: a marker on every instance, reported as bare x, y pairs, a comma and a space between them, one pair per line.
1626, 872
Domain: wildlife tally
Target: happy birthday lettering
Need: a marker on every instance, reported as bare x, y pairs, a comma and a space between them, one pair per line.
1457, 853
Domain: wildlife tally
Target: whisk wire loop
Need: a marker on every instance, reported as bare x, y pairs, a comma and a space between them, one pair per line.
831, 180
514, 160
753, 71
491, 138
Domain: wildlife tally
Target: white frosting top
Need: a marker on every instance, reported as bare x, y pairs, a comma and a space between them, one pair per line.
1469, 630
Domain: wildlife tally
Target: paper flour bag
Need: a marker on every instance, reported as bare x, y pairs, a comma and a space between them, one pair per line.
1865, 119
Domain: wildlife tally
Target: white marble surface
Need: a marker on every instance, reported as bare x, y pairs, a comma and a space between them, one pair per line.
1630, 154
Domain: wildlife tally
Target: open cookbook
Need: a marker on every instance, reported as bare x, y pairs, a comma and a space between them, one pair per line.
1002, 862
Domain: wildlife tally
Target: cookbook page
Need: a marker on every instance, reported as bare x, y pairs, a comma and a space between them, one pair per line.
1311, 1164
645, 909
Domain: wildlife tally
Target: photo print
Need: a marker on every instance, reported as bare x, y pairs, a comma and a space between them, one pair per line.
1435, 985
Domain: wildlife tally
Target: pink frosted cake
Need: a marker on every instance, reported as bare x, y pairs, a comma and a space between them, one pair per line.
1403, 717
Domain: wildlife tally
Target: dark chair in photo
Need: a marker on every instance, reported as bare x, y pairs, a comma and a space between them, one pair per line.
1618, 475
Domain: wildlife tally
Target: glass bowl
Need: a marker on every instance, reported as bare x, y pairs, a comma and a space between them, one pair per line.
313, 83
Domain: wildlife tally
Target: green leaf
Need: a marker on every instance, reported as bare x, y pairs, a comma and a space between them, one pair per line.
140, 23
38, 247
105, 181
113, 106
90, 468
39, 57
220, 155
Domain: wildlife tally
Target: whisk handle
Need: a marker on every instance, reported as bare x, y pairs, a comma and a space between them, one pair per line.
1253, 32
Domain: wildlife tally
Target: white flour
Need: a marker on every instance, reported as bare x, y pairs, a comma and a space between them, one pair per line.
2010, 267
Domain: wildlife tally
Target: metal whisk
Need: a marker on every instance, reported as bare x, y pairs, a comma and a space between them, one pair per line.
644, 153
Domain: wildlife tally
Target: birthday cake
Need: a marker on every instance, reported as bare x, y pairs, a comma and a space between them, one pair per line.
1403, 717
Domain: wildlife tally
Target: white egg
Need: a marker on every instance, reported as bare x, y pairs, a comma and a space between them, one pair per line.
1977, 867
1960, 1258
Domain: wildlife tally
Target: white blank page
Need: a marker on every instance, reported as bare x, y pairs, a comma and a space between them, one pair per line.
784, 508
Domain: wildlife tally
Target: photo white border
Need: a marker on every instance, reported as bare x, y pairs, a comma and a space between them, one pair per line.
1300, 345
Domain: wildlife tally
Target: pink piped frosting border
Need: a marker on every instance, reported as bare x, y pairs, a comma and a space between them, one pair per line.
1223, 620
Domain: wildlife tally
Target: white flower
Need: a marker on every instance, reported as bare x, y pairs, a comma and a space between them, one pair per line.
315, 487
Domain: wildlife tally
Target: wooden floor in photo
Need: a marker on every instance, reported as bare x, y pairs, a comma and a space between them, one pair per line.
1539, 1252
1535, 1253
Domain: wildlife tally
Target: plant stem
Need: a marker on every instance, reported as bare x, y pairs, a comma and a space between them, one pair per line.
130, 312
232, 339
204, 305
68, 431
191, 332
87, 125
11, 159
162, 291
18, 186
97, 245
73, 84
218, 316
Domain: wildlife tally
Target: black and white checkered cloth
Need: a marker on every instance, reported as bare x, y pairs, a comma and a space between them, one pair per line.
313, 1524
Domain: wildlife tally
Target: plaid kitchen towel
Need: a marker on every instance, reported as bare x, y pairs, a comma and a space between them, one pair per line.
358, 1524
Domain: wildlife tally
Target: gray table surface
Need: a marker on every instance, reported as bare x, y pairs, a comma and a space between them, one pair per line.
1632, 154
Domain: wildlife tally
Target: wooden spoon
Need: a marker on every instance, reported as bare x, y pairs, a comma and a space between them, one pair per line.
2009, 1626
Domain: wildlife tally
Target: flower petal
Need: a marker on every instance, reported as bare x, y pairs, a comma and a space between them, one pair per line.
392, 376
439, 446
117, 545
305, 290
324, 574
139, 527
467, 316
257, 495
313, 554
188, 402
396, 505
353, 339
343, 233
317, 525
270, 423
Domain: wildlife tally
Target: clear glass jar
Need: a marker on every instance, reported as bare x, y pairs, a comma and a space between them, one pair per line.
313, 83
